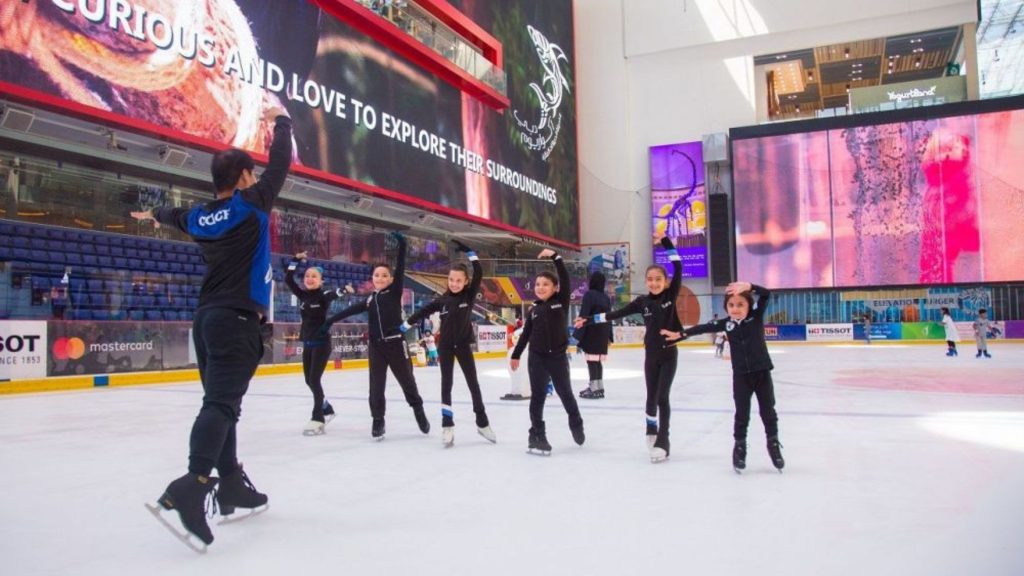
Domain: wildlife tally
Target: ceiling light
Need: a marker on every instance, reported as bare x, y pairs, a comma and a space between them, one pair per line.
846, 53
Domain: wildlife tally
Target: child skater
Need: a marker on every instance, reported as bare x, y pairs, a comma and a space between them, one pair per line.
546, 331
952, 334
387, 347
456, 309
314, 301
751, 366
594, 339
981, 328
660, 355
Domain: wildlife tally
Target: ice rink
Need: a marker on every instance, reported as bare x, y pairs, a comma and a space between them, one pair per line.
899, 461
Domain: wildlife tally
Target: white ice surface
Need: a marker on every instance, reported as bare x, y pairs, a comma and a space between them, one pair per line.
926, 479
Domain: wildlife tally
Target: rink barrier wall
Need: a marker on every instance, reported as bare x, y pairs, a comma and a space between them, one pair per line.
85, 382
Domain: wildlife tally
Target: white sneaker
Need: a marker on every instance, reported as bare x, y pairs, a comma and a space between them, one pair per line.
314, 428
448, 436
651, 439
489, 434
658, 455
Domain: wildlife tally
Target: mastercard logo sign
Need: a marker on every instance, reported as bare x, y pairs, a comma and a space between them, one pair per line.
68, 348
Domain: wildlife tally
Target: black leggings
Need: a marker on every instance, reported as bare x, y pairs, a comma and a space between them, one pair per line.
595, 369
743, 386
228, 350
314, 361
554, 367
659, 371
446, 359
395, 355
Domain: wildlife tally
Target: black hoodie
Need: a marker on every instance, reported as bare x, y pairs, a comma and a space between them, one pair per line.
594, 338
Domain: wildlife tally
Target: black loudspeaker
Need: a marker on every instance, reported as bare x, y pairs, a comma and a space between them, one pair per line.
720, 234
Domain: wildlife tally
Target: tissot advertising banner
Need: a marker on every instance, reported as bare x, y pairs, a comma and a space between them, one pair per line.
829, 332
208, 70
22, 349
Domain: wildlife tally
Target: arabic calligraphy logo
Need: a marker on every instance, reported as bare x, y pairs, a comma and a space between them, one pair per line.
543, 135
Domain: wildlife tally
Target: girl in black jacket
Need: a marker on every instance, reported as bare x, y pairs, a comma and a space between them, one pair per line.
547, 332
593, 339
314, 301
661, 356
456, 309
387, 347
751, 366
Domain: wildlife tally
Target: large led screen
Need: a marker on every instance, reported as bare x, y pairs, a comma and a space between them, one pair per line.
364, 117
679, 204
923, 202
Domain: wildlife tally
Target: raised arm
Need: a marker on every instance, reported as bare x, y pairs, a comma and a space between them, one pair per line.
265, 191
763, 296
564, 282
403, 247
289, 278
478, 277
677, 268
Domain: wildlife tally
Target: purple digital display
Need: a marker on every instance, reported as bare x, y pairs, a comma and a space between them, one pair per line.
679, 204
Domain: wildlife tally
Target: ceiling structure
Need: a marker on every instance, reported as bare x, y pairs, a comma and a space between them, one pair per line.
1001, 48
802, 82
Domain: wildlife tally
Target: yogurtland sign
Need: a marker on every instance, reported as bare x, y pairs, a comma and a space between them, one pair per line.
905, 94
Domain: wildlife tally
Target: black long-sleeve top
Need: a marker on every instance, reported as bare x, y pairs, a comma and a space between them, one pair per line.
747, 346
383, 307
234, 233
456, 312
546, 328
313, 305
658, 310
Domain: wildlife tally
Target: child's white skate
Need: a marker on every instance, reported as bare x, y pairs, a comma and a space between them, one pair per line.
488, 434
314, 428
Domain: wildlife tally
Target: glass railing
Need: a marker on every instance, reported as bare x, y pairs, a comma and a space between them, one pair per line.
440, 39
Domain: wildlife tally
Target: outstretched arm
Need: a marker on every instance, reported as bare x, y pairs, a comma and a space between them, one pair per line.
350, 311
634, 307
177, 217
422, 313
716, 326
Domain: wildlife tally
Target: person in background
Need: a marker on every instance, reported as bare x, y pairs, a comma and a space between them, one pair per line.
981, 328
593, 339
